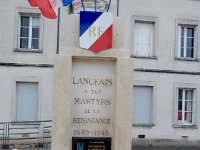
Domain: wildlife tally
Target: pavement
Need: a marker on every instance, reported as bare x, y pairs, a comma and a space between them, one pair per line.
164, 148
136, 148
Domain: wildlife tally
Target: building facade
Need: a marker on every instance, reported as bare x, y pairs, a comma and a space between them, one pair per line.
27, 53
162, 37
164, 43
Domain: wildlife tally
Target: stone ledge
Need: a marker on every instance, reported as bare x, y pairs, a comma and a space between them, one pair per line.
166, 142
27, 145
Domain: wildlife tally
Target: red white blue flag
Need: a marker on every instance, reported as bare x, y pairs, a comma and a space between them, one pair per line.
49, 8
96, 30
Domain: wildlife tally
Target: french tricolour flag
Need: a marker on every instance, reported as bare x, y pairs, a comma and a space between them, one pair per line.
96, 30
49, 8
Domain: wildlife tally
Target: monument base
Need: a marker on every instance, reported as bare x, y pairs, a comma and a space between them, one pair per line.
92, 103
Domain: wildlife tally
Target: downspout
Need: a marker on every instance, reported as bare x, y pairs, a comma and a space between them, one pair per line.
58, 32
117, 8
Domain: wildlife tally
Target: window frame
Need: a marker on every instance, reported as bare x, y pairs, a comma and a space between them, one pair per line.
153, 103
185, 28
187, 24
194, 88
183, 111
28, 79
30, 38
32, 12
148, 20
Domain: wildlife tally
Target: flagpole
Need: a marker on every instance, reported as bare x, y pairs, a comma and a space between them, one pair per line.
117, 8
95, 5
83, 5
58, 31
108, 5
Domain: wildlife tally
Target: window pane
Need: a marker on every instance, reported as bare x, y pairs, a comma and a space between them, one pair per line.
190, 42
180, 105
24, 21
180, 94
142, 104
24, 32
190, 32
188, 94
188, 106
35, 33
182, 41
180, 115
182, 31
23, 43
188, 117
35, 44
27, 101
190, 53
36, 22
182, 52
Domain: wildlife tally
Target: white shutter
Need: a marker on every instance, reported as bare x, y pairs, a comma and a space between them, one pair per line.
27, 101
143, 39
142, 104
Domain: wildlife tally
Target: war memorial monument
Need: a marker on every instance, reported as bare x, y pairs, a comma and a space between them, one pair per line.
92, 88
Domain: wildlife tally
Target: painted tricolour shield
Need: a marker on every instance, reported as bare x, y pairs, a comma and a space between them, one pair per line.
96, 30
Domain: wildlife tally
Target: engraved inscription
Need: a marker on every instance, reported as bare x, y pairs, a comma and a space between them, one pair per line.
98, 31
92, 99
92, 81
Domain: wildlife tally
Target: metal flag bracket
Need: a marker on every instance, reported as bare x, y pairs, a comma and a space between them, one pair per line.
95, 5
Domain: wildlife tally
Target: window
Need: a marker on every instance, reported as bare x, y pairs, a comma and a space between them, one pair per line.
144, 37
29, 32
26, 101
186, 42
142, 105
185, 106
28, 35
